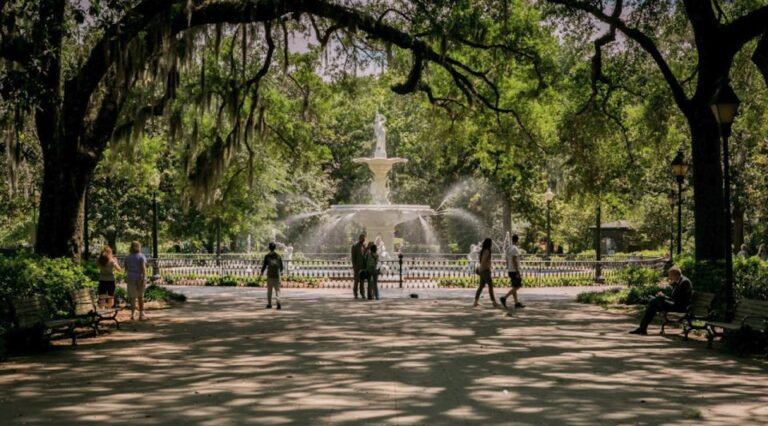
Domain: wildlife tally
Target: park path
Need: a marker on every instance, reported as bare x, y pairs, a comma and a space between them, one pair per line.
221, 359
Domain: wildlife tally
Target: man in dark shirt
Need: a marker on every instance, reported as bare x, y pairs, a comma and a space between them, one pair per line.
678, 301
358, 264
273, 264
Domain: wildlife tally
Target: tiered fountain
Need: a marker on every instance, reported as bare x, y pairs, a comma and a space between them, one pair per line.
380, 218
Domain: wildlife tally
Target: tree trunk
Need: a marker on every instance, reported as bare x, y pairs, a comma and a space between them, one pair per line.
112, 240
709, 210
738, 225
62, 202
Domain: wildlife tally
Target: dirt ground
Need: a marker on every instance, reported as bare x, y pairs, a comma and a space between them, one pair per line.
223, 359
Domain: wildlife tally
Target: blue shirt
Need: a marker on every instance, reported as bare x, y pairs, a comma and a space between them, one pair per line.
135, 265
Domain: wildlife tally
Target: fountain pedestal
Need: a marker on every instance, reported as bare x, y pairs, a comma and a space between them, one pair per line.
380, 218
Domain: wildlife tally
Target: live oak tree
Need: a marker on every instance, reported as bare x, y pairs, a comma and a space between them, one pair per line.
78, 71
695, 63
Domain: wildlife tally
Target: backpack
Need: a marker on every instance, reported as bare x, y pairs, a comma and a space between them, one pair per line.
273, 266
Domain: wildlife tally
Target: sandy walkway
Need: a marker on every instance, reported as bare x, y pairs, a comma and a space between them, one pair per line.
324, 360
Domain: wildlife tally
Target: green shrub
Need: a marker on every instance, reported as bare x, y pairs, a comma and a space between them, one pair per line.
465, 282
635, 275
528, 281
256, 281
750, 276
628, 296
158, 293
52, 279
223, 281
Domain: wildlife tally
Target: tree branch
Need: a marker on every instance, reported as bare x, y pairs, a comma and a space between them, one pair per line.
640, 38
760, 56
746, 28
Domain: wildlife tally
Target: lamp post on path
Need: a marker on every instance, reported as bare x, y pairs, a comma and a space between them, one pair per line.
672, 199
679, 170
548, 197
725, 107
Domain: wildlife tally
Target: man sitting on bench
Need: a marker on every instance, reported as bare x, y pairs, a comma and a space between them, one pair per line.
682, 291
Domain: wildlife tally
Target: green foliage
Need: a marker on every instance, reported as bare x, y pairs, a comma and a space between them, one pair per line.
627, 296
222, 281
159, 293
561, 281
751, 278
53, 279
256, 281
635, 276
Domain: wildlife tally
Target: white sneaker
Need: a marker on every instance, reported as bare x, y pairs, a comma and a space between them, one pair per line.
143, 317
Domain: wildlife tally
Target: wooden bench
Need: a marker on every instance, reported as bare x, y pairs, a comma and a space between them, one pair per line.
695, 316
85, 306
752, 314
30, 315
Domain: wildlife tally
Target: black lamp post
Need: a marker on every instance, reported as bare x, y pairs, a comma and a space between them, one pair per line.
679, 170
155, 252
548, 197
672, 199
725, 107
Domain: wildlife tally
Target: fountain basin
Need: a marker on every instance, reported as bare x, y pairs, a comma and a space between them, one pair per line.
385, 214
379, 220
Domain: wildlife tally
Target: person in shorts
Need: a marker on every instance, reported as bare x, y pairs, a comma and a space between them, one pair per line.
273, 264
136, 278
513, 270
107, 267
485, 270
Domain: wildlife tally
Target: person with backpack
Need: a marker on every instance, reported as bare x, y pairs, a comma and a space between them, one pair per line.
273, 264
371, 261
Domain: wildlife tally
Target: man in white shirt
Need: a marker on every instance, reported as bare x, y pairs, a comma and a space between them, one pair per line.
513, 268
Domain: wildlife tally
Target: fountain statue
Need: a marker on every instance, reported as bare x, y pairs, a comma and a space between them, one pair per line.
474, 257
381, 136
381, 216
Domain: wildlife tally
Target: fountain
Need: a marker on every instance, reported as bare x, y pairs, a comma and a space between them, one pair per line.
380, 218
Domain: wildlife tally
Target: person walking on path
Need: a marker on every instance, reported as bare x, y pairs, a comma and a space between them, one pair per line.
136, 278
273, 264
372, 271
358, 253
515, 273
678, 301
107, 266
485, 271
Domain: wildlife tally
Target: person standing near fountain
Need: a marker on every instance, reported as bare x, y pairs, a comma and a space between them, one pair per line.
273, 264
485, 271
513, 268
372, 271
358, 264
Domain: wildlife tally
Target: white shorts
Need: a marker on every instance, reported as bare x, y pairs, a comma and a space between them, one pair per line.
136, 288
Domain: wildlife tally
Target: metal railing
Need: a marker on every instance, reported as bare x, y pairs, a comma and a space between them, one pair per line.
395, 270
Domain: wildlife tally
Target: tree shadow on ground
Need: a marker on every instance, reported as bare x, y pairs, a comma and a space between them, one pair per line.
225, 361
